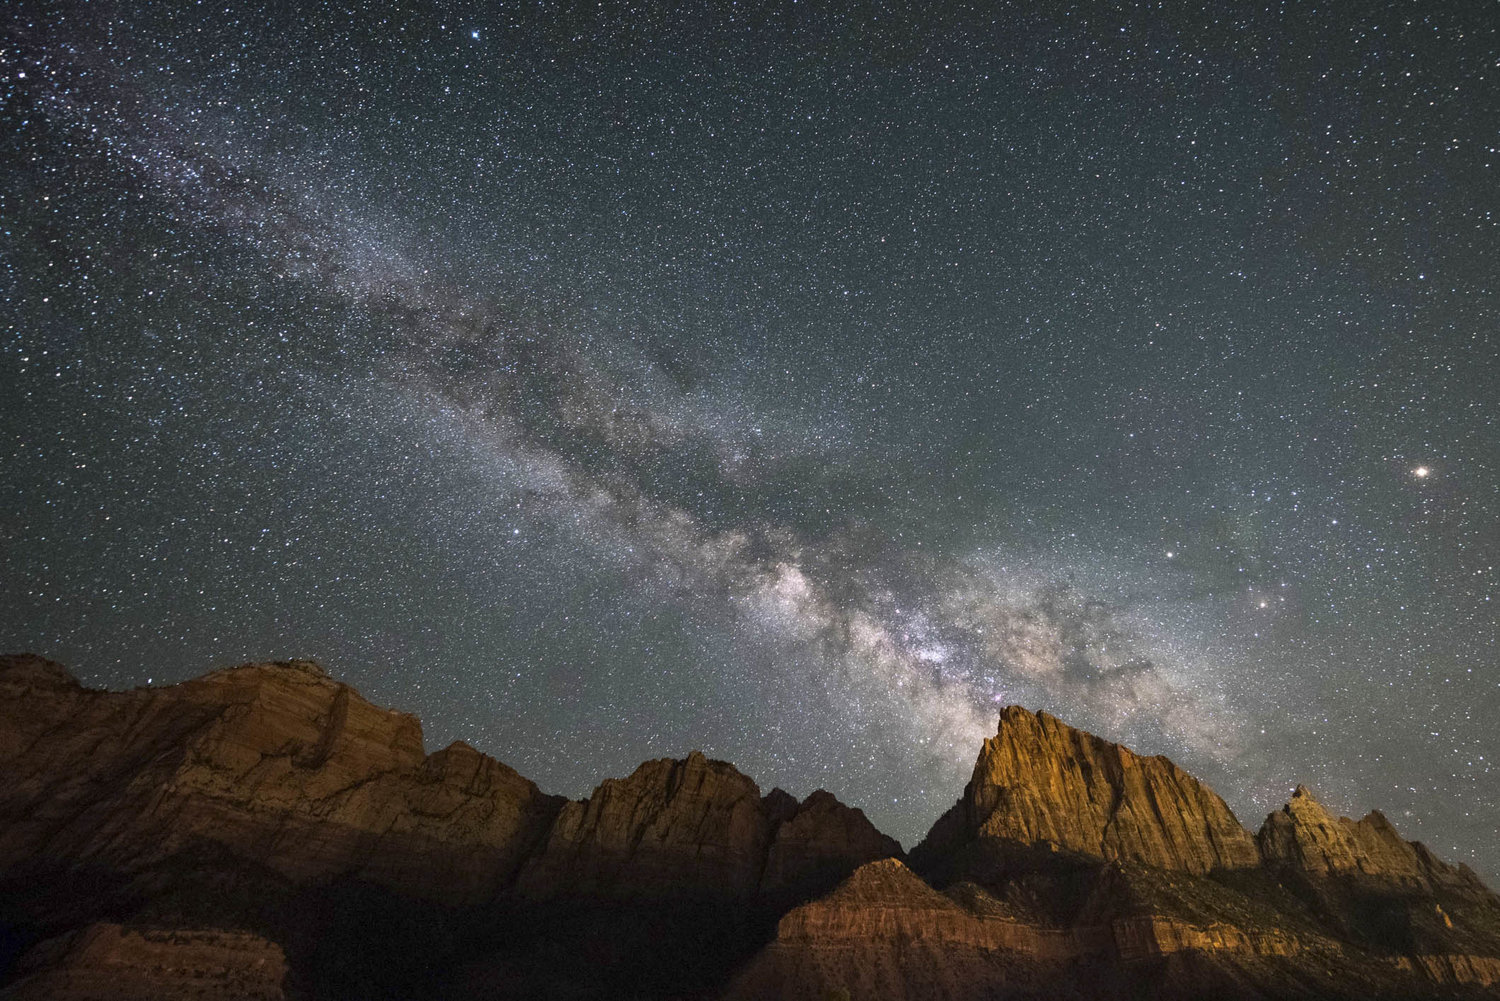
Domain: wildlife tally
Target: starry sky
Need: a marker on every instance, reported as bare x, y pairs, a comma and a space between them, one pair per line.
799, 382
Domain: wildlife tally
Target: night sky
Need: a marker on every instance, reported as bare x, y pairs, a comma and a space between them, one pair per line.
796, 382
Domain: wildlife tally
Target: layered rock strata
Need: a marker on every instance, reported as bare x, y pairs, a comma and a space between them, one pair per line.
108, 961
272, 796
885, 933
1075, 867
276, 763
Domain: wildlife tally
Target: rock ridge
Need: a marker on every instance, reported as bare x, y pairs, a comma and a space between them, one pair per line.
1040, 781
1071, 867
285, 767
1305, 835
275, 762
701, 827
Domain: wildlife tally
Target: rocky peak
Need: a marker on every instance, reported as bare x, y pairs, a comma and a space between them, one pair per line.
673, 826
700, 827
818, 845
276, 763
1040, 781
890, 883
1306, 835
880, 899
887, 881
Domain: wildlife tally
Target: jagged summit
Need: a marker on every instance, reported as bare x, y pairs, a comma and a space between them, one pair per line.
1304, 834
698, 825
1040, 781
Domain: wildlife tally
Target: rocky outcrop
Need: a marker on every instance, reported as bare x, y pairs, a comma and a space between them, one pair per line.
1135, 861
698, 827
1039, 781
1454, 968
671, 827
1305, 835
819, 844
885, 933
1152, 936
277, 764
273, 798
108, 961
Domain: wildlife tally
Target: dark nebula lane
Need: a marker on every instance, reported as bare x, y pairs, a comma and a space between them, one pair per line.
797, 388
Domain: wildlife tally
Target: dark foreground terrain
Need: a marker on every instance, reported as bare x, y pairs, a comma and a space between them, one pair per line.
264, 832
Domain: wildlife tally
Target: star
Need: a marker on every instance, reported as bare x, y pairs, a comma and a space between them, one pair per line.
824, 421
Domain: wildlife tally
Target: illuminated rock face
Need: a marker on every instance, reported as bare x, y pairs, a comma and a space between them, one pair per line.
885, 933
1304, 835
1040, 781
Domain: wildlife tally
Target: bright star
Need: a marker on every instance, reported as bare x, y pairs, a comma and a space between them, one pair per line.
1421, 472
474, 34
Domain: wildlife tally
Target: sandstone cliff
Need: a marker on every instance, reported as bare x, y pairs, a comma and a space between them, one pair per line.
276, 763
1039, 781
1305, 835
1075, 846
271, 797
698, 827
885, 933
107, 961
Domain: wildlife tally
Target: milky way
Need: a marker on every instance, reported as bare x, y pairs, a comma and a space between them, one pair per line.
798, 388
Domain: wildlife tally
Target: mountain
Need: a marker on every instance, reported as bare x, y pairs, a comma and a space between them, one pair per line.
698, 827
265, 832
1304, 835
1072, 867
273, 800
1040, 781
277, 765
